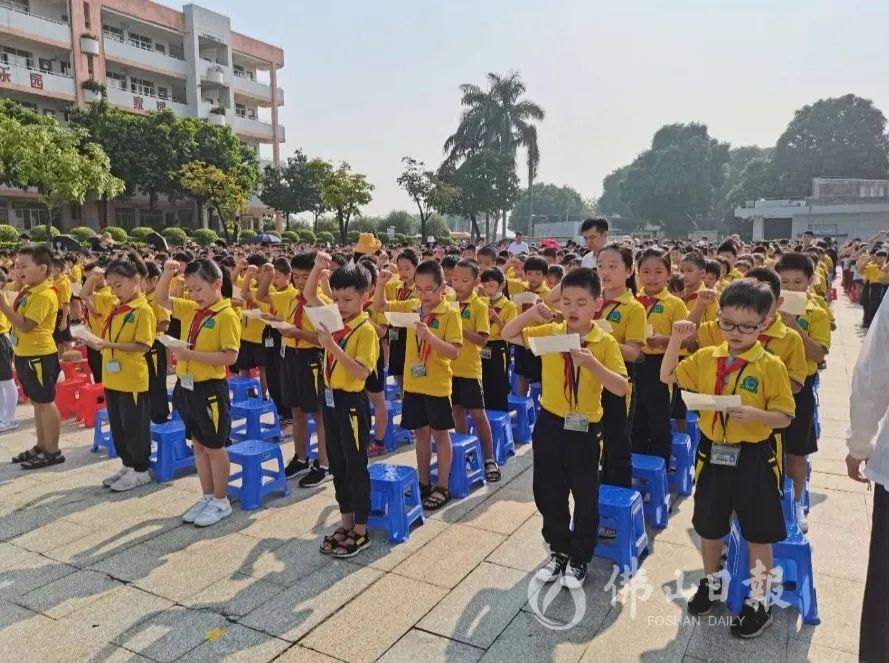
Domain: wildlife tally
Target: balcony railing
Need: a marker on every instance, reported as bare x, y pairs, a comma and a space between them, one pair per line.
175, 53
28, 63
21, 9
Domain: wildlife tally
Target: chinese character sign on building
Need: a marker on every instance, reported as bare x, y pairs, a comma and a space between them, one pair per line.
137, 103
5, 76
37, 80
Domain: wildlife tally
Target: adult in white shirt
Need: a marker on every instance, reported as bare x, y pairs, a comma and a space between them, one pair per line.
518, 245
868, 460
595, 233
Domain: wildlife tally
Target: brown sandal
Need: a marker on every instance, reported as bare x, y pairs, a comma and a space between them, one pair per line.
437, 498
332, 541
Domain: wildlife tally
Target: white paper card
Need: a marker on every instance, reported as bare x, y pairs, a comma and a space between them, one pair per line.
649, 331
540, 345
236, 292
794, 302
604, 325
11, 295
710, 402
76, 289
253, 314
280, 325
402, 319
169, 342
84, 334
329, 316
523, 298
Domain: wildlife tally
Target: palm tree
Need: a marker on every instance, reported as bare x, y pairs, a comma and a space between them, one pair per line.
497, 119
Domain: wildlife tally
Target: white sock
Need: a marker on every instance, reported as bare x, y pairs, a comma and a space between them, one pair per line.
222, 502
9, 397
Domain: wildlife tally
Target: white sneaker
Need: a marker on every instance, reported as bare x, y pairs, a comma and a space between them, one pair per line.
190, 515
801, 518
215, 511
130, 480
6, 428
114, 478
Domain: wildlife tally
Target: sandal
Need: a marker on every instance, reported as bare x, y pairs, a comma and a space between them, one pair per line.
27, 455
492, 471
437, 498
332, 541
352, 545
425, 490
43, 459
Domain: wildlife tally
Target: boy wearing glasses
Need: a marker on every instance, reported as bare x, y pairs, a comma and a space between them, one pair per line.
736, 469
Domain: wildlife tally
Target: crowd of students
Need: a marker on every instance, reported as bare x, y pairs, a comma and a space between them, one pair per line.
652, 321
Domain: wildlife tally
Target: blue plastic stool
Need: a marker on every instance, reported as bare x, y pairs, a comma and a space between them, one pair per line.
501, 434
250, 455
240, 388
534, 392
254, 428
514, 382
102, 438
169, 452
650, 479
621, 509
788, 506
390, 389
692, 427
467, 465
793, 555
526, 416
394, 432
805, 498
681, 473
395, 502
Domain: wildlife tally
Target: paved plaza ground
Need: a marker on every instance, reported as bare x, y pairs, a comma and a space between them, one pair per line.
88, 575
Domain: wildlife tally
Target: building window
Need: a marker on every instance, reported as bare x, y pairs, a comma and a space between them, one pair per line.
45, 65
143, 87
4, 213
141, 41
27, 216
149, 220
75, 212
113, 33
117, 80
86, 15
160, 48
186, 218
49, 112
125, 217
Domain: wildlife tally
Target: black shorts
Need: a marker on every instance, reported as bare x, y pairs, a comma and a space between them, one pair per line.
6, 358
302, 380
62, 335
495, 380
251, 355
205, 411
397, 349
751, 489
678, 411
468, 392
418, 410
38, 377
374, 382
526, 364
799, 437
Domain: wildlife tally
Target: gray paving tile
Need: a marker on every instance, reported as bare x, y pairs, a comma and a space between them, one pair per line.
168, 635
234, 596
30, 573
526, 639
117, 612
524, 549
69, 593
422, 647
236, 643
806, 652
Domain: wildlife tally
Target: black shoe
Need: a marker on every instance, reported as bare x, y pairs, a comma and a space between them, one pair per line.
553, 569
702, 603
296, 466
575, 575
317, 475
752, 621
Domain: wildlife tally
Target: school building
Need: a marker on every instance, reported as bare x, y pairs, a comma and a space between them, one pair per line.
148, 57
844, 208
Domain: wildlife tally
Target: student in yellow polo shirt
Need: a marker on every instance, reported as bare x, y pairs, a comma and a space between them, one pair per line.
736, 468
495, 354
33, 318
255, 337
374, 385
157, 355
401, 289
212, 329
98, 300
527, 366
350, 354
467, 393
431, 346
127, 335
62, 285
567, 434
9, 395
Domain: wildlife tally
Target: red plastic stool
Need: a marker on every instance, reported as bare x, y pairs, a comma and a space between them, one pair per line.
74, 370
90, 399
83, 351
66, 396
18, 386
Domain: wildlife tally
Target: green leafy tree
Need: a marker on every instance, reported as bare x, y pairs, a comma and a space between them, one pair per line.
325, 237
611, 201
437, 226
426, 190
404, 223
344, 192
320, 169
554, 202
293, 188
223, 191
205, 236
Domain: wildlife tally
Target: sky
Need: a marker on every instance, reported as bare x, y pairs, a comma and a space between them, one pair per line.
370, 82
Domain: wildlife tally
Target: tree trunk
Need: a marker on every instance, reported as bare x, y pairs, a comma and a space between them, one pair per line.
343, 226
423, 220
487, 227
222, 225
474, 230
103, 213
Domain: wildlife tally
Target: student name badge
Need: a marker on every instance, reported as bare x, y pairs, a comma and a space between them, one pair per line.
486, 352
575, 421
268, 342
393, 334
328, 398
187, 382
113, 366
418, 370
725, 454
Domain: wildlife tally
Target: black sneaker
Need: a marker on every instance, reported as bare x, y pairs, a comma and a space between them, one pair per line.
752, 621
317, 475
553, 569
702, 602
575, 575
296, 466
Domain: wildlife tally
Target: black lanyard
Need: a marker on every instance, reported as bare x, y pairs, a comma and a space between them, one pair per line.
724, 416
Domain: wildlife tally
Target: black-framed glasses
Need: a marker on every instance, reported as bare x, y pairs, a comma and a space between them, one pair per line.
744, 329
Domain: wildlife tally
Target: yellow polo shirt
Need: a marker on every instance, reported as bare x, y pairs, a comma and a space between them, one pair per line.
661, 315
626, 317
41, 305
137, 325
815, 323
474, 317
362, 345
286, 304
555, 392
763, 383
253, 328
446, 326
63, 287
103, 301
160, 314
690, 299
399, 291
516, 287
220, 332
786, 344
507, 311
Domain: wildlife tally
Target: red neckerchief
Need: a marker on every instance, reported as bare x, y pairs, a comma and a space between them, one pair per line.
690, 297
424, 349
298, 310
722, 374
19, 298
330, 360
607, 302
198, 323
403, 292
647, 301
123, 308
